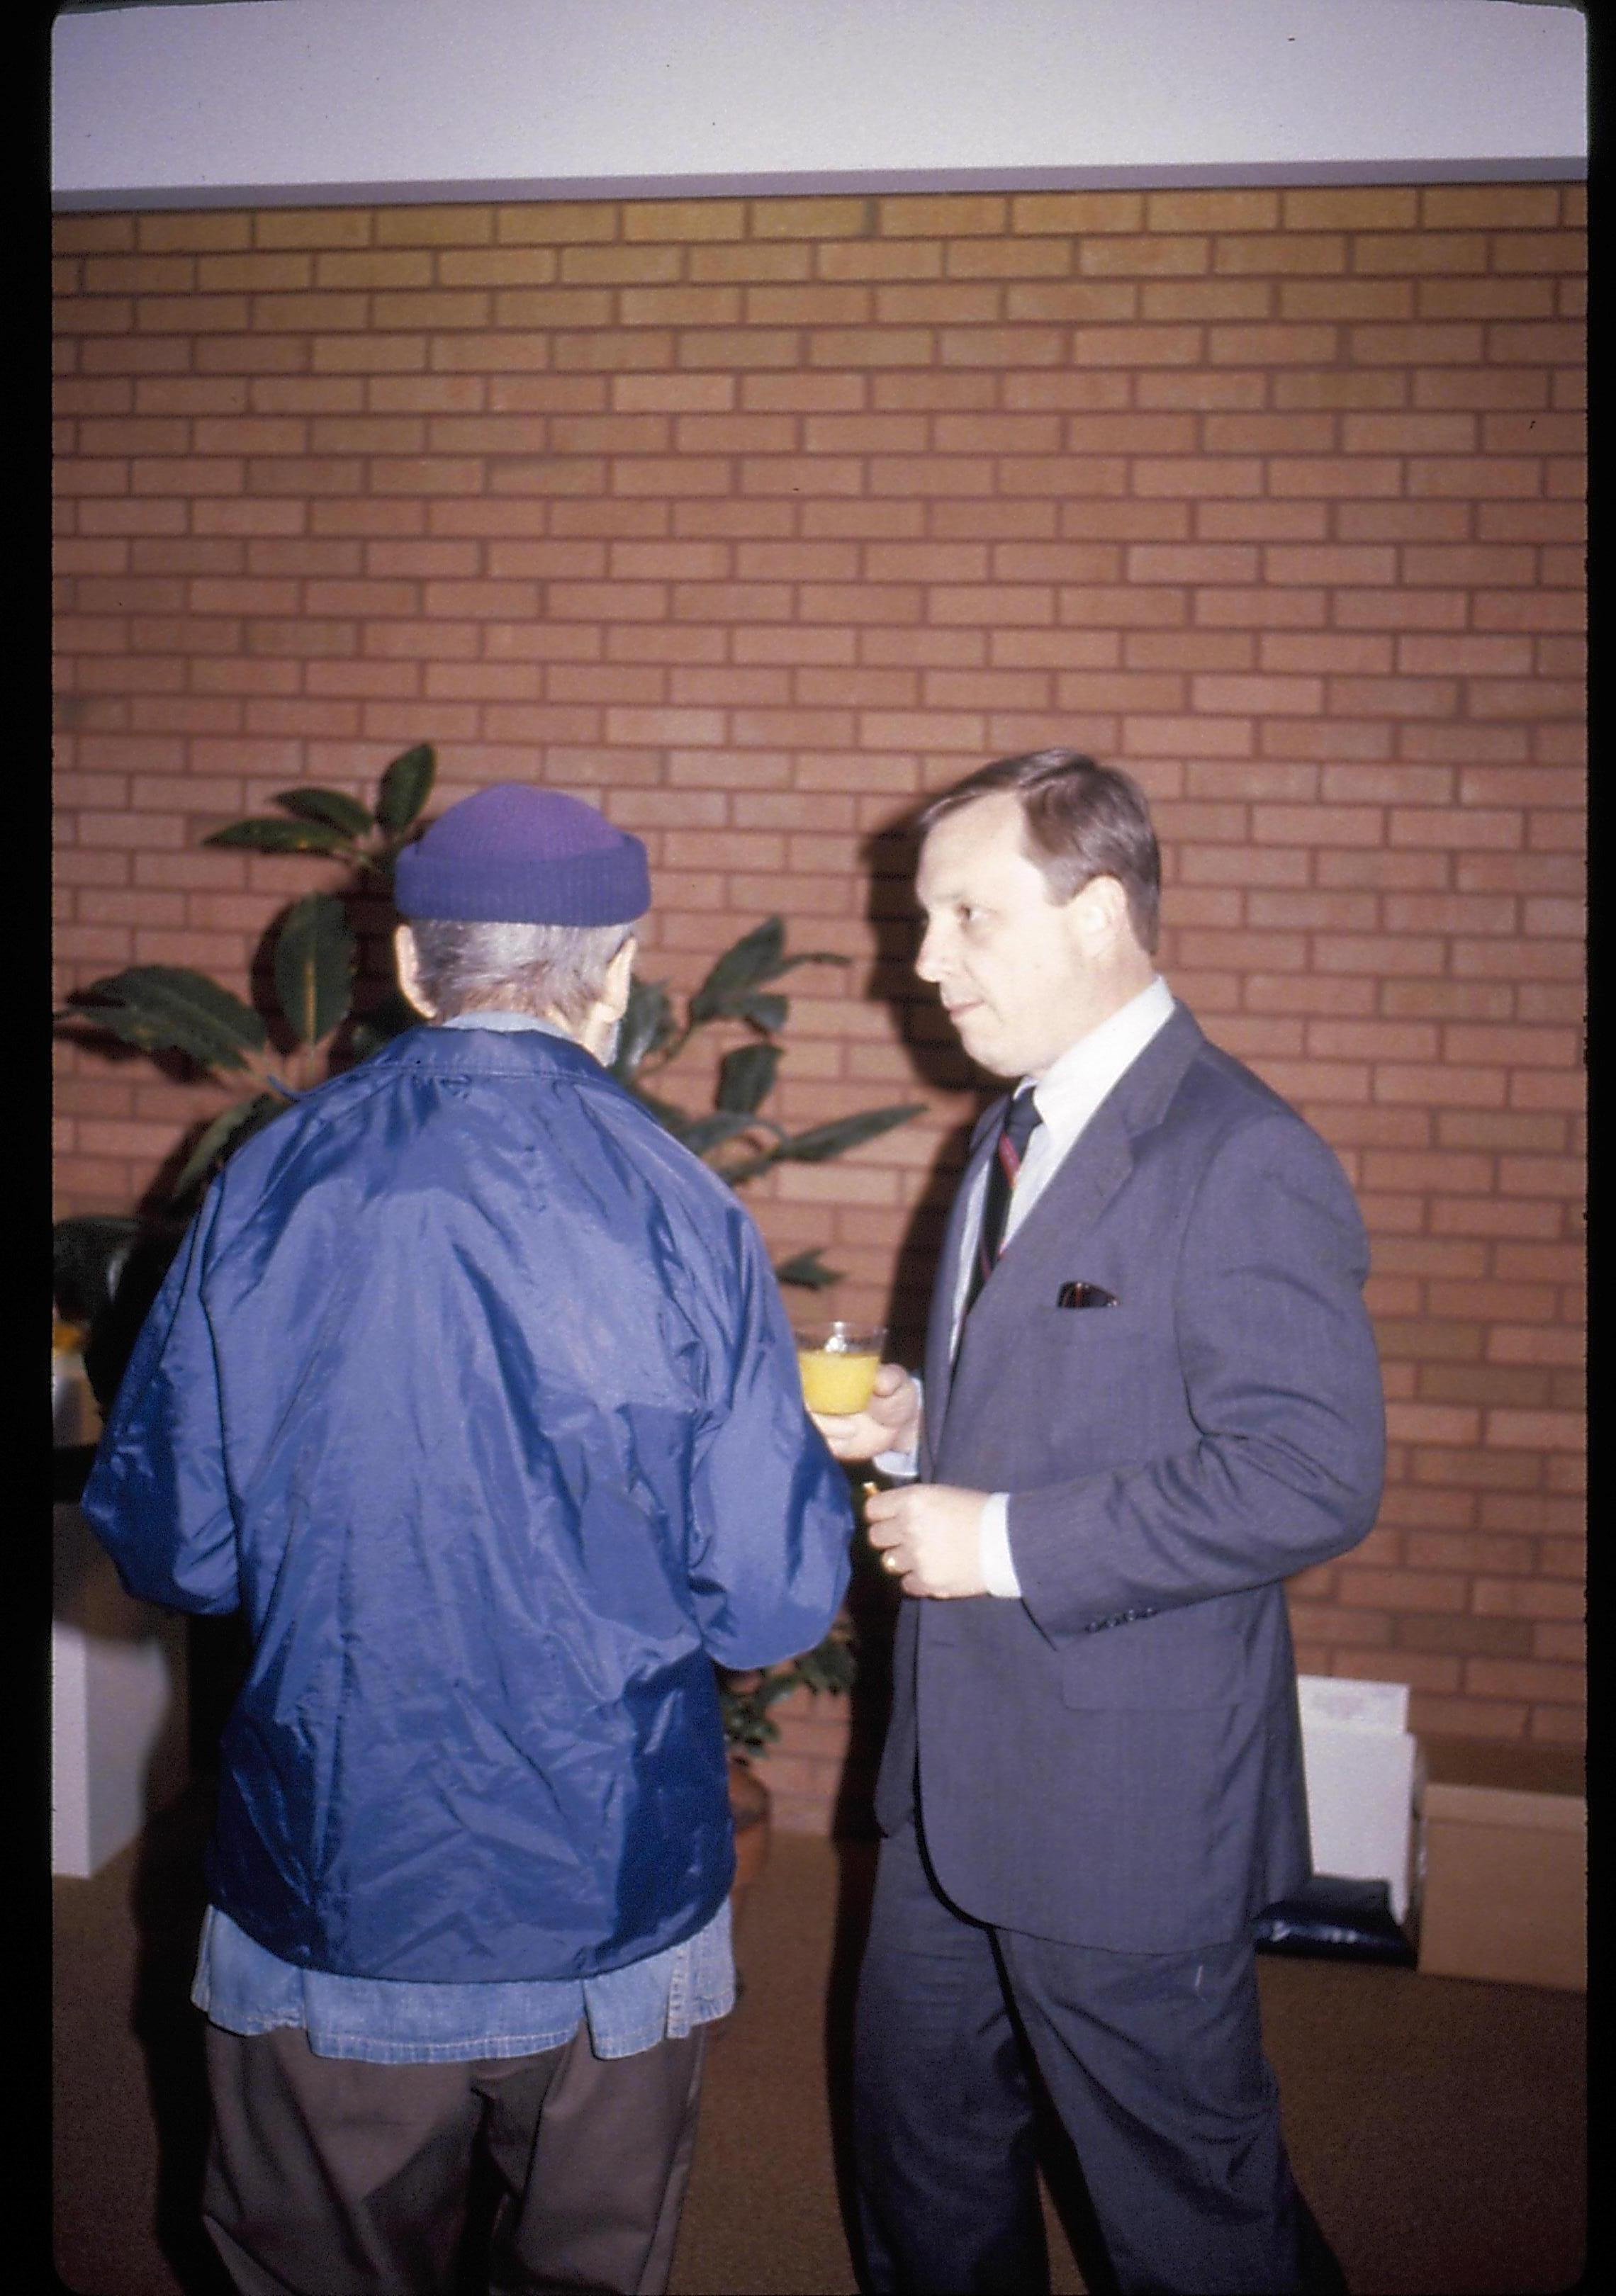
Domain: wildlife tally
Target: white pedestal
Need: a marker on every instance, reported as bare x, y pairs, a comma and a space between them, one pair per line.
117, 1705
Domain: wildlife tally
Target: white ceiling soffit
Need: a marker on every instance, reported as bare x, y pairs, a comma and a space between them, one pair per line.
309, 101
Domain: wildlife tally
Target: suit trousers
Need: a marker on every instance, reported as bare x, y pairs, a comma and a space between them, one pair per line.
1153, 2064
329, 2176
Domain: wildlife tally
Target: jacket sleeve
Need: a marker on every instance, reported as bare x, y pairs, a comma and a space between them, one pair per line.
157, 1496
1282, 1386
771, 1512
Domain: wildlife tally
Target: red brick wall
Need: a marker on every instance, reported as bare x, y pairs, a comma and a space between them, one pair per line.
754, 519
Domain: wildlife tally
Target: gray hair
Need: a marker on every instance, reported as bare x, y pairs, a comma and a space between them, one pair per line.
468, 967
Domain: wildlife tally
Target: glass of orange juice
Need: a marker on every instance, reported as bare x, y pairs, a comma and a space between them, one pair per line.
839, 1362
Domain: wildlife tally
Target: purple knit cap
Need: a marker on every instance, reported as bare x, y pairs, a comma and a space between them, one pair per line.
515, 855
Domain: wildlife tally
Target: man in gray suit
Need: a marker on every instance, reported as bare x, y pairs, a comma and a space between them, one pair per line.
1151, 1394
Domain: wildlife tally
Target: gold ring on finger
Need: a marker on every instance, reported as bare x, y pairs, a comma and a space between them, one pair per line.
893, 1561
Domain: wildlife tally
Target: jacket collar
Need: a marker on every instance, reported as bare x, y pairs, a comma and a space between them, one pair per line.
1093, 1170
495, 1051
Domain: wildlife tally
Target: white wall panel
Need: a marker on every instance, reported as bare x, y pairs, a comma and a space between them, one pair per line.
294, 100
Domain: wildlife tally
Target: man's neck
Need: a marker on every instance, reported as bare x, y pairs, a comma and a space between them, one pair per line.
1127, 993
508, 1019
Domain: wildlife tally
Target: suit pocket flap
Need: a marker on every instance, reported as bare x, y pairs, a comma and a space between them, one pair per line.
1175, 1660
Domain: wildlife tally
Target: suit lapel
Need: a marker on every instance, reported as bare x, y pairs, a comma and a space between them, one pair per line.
1092, 1172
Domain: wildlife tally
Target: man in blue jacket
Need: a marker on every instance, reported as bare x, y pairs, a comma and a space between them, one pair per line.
475, 1391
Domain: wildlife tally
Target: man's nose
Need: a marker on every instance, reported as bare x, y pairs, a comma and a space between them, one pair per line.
927, 957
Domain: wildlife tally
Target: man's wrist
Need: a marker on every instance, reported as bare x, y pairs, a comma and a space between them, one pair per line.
902, 1461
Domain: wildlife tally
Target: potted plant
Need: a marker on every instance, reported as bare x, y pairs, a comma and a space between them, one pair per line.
750, 1729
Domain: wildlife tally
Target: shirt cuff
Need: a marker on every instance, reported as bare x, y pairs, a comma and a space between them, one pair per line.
999, 1570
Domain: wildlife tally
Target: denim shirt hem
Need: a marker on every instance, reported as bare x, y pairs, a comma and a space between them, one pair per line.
244, 1989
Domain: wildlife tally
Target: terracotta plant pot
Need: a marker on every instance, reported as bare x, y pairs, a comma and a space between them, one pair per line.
748, 1802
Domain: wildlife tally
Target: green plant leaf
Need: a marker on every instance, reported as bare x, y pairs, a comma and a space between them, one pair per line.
744, 1725
170, 1008
648, 1023
314, 966
227, 1131
809, 956
89, 1254
824, 1141
333, 806
269, 836
832, 1666
746, 1077
764, 1009
755, 958
390, 1018
405, 787
809, 1271
671, 1118
702, 1133
745, 1699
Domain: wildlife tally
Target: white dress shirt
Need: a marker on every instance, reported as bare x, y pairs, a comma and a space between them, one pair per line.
1066, 1096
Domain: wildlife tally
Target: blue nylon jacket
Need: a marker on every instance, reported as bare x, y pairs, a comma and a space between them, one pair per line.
475, 1390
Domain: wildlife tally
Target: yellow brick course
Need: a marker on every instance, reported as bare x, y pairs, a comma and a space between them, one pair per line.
314, 228
456, 225
92, 235
554, 222
957, 214
1382, 207
1077, 211
194, 229
129, 274
811, 218
1489, 207
374, 268
1211, 211
258, 273
684, 219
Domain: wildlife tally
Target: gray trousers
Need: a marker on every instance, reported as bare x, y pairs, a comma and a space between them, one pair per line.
327, 2176
1153, 2064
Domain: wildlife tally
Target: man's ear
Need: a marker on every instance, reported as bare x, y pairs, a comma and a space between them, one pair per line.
407, 957
619, 978
1100, 914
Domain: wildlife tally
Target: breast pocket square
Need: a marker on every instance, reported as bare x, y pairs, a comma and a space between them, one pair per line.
1085, 1295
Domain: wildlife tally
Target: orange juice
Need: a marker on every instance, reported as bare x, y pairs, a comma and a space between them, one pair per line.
836, 1380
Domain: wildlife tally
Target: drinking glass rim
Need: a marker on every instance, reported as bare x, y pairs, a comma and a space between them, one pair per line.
839, 1335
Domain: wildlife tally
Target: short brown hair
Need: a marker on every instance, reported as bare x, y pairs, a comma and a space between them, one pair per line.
1080, 820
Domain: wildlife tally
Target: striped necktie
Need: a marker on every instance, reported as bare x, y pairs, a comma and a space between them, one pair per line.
1021, 1121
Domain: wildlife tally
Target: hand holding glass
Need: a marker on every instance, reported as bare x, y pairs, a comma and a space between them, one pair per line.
839, 1362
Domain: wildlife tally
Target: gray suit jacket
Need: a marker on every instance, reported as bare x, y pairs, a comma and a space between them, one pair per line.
1115, 1759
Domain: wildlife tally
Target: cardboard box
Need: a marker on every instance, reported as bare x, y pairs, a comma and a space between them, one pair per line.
1504, 1852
